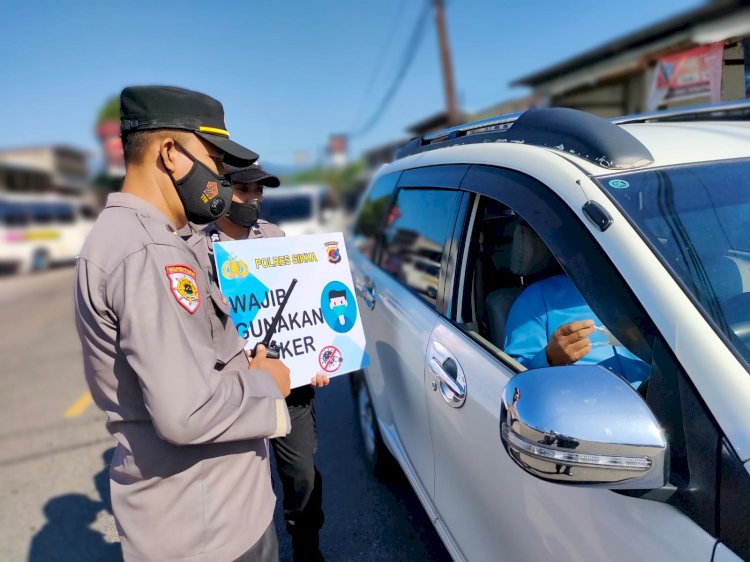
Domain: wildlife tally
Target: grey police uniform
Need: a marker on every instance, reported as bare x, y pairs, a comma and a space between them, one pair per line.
190, 477
301, 482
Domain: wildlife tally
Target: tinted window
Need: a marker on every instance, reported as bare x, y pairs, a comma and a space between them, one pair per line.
41, 213
286, 209
416, 229
64, 214
12, 214
372, 214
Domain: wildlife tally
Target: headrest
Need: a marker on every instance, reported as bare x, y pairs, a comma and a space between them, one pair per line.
529, 254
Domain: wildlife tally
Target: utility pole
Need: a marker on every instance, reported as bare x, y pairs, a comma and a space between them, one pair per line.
445, 58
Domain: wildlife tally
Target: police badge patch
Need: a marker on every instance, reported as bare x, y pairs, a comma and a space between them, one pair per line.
184, 288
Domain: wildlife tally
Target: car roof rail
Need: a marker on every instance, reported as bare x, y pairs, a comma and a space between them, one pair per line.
726, 111
568, 130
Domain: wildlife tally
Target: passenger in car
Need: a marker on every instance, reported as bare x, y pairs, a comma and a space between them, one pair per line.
550, 324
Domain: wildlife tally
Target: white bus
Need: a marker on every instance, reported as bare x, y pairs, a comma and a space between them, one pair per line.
306, 209
37, 231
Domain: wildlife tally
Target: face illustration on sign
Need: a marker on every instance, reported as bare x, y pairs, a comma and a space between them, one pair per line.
338, 306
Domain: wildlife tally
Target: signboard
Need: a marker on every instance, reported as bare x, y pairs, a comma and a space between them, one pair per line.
686, 75
320, 330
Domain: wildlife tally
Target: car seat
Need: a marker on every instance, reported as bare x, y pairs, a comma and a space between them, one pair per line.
530, 259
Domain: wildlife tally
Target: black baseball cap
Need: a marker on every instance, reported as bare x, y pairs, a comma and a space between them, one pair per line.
144, 108
250, 174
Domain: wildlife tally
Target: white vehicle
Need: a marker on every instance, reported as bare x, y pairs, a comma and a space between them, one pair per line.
302, 209
649, 217
39, 231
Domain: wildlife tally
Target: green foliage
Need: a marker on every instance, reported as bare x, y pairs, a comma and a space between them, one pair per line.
347, 182
110, 111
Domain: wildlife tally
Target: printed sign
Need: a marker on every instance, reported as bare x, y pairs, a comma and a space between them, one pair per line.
687, 75
320, 330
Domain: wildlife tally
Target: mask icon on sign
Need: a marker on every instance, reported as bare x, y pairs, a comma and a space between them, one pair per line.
337, 300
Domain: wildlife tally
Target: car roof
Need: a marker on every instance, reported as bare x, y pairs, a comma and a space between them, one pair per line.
600, 146
676, 143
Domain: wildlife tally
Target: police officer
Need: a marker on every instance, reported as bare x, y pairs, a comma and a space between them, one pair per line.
190, 477
300, 479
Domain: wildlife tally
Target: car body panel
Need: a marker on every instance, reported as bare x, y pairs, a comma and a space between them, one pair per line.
475, 475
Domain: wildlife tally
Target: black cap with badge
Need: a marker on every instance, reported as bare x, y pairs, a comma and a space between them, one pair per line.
251, 174
205, 194
144, 108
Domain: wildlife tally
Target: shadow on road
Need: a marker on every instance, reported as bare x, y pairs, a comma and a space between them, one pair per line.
367, 518
66, 535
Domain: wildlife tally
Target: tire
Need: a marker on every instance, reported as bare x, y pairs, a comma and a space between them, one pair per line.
376, 453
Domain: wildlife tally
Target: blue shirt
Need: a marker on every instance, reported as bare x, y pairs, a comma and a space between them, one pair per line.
545, 306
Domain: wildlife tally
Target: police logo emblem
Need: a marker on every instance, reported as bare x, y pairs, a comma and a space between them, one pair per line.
234, 269
184, 288
332, 250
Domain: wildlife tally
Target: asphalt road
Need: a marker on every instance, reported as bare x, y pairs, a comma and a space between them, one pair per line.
53, 446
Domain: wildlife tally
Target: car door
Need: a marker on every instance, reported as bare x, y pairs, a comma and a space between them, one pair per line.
491, 508
400, 299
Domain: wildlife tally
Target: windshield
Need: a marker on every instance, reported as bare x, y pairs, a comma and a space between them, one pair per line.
287, 208
697, 218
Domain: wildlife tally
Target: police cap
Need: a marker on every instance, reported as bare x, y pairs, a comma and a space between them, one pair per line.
251, 174
145, 108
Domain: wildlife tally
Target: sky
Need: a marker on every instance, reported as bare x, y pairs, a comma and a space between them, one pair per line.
289, 73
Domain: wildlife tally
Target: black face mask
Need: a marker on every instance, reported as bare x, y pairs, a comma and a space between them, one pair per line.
244, 214
204, 194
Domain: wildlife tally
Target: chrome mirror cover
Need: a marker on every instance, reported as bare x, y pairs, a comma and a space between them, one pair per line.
584, 425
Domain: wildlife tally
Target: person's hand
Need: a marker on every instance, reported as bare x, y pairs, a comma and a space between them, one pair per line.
570, 342
320, 380
274, 367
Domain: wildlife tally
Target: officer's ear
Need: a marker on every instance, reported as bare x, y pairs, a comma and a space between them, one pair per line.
168, 152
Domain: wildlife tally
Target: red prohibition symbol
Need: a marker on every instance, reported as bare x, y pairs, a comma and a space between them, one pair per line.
330, 359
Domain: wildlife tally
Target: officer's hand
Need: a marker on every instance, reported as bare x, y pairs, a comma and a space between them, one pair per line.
570, 342
275, 367
319, 379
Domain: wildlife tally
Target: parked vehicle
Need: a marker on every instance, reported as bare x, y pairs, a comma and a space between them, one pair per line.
37, 231
648, 216
306, 209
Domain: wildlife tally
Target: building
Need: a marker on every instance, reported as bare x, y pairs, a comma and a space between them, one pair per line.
54, 168
619, 77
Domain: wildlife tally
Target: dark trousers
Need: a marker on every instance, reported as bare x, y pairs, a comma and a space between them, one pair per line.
300, 480
266, 549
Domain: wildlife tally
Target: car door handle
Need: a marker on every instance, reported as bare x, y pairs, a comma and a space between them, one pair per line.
458, 390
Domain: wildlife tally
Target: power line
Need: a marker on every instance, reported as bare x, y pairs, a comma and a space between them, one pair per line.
411, 49
384, 52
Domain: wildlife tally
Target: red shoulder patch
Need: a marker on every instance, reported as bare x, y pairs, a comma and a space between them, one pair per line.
184, 287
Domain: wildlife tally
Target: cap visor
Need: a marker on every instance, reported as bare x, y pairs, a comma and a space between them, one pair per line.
234, 154
251, 174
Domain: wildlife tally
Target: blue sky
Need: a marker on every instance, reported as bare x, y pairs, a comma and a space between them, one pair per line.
289, 72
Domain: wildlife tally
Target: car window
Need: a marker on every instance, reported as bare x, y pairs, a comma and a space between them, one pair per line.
279, 209
372, 214
64, 214
417, 227
524, 304
13, 215
695, 218
41, 213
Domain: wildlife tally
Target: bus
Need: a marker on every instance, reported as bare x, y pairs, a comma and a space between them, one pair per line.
37, 231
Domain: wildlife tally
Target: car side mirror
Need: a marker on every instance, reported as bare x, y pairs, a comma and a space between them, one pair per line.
582, 424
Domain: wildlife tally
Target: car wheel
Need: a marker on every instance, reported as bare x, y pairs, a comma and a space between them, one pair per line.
377, 455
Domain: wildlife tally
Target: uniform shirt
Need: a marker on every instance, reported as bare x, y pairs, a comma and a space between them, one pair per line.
190, 477
203, 246
545, 306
